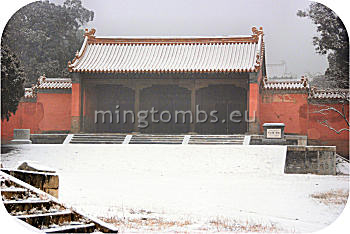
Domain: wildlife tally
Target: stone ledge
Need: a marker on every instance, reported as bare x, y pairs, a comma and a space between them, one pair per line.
289, 140
49, 138
311, 148
319, 160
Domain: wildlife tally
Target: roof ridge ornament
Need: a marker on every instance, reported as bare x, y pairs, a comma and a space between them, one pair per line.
41, 79
304, 81
90, 34
257, 32
77, 54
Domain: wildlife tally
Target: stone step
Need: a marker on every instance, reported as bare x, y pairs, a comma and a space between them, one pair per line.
111, 138
153, 142
217, 135
95, 138
5, 183
99, 137
165, 138
45, 220
9, 193
158, 135
14, 207
161, 136
44, 212
157, 139
96, 142
215, 143
100, 134
216, 139
102, 139
87, 140
72, 228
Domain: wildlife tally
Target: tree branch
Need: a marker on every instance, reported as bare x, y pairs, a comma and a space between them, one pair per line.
325, 123
329, 108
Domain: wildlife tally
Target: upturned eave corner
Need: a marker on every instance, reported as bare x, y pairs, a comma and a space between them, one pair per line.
88, 36
258, 35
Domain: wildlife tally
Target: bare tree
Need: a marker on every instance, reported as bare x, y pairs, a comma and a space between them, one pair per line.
343, 96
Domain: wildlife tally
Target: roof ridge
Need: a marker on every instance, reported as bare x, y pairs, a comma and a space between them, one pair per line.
91, 38
253, 59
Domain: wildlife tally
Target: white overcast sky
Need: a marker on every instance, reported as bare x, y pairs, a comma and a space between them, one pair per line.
287, 37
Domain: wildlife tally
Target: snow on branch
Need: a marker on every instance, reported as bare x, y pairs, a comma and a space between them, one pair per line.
327, 109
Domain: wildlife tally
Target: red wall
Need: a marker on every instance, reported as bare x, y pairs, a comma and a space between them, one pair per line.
75, 99
253, 100
57, 111
296, 113
28, 115
51, 112
322, 135
287, 108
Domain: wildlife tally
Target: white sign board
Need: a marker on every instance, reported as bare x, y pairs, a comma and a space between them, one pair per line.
273, 133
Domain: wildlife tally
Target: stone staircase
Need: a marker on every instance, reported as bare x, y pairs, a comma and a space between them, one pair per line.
102, 138
156, 139
216, 140
44, 212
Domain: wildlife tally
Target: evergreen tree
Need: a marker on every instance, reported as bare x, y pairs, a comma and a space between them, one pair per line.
333, 41
12, 79
45, 36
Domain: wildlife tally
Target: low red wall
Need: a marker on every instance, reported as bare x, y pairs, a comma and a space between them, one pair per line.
287, 108
51, 112
28, 116
57, 111
298, 115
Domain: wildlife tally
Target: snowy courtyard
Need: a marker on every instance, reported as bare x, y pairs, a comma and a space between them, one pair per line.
188, 188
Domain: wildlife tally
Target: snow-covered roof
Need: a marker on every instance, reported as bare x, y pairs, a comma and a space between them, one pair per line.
165, 54
286, 85
329, 94
29, 93
47, 83
54, 83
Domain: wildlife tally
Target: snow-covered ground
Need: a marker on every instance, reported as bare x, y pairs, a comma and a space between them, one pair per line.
196, 186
